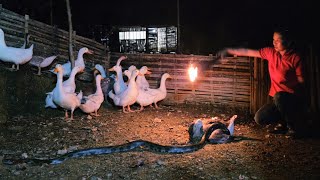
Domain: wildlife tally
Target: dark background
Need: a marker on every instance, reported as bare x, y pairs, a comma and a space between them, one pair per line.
206, 25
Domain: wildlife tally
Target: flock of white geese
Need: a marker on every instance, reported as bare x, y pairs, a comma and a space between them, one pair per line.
123, 94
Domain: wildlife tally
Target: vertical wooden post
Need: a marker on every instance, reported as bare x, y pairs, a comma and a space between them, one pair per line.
251, 86
74, 41
234, 82
0, 11
262, 84
175, 80
26, 29
26, 24
256, 88
211, 84
107, 64
71, 56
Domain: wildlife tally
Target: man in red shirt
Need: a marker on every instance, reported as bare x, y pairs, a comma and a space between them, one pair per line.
287, 82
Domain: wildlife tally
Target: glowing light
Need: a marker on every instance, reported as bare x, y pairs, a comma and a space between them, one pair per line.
193, 73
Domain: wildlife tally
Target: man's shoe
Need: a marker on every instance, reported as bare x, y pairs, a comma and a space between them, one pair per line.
291, 133
281, 127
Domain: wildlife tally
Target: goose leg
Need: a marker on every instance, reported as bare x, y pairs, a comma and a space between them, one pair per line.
71, 118
156, 106
95, 113
141, 108
124, 109
39, 70
66, 114
12, 68
129, 109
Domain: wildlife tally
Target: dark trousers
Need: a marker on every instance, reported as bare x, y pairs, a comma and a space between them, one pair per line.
286, 109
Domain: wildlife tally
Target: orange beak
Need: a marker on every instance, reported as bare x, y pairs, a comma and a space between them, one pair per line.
90, 52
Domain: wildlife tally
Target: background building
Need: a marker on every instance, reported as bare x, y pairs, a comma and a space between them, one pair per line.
147, 39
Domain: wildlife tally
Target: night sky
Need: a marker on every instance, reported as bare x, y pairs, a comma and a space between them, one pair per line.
206, 25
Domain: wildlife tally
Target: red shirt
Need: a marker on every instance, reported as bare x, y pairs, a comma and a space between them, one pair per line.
283, 70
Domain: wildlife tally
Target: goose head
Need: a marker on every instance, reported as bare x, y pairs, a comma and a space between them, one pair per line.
58, 68
134, 74
101, 70
166, 76
145, 70
120, 59
98, 78
132, 67
76, 70
85, 50
127, 73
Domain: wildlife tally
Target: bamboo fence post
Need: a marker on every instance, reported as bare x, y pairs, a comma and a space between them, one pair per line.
175, 79
0, 11
234, 81
262, 84
212, 86
74, 43
255, 89
251, 86
107, 64
26, 24
26, 29
56, 40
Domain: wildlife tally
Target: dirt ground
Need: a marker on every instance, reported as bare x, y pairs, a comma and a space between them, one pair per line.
262, 156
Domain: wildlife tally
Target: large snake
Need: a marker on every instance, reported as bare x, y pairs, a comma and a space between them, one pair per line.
138, 145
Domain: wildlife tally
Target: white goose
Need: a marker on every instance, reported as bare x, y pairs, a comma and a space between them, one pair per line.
41, 62
93, 102
78, 62
69, 86
149, 96
128, 72
142, 82
119, 84
14, 55
68, 101
106, 82
128, 96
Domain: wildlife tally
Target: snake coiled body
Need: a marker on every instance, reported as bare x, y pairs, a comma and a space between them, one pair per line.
138, 145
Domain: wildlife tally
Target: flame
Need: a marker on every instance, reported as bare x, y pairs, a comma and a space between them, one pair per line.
193, 73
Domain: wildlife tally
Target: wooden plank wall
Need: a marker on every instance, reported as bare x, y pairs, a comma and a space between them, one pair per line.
225, 82
48, 40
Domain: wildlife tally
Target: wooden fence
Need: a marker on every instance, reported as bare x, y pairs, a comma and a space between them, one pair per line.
48, 40
225, 82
